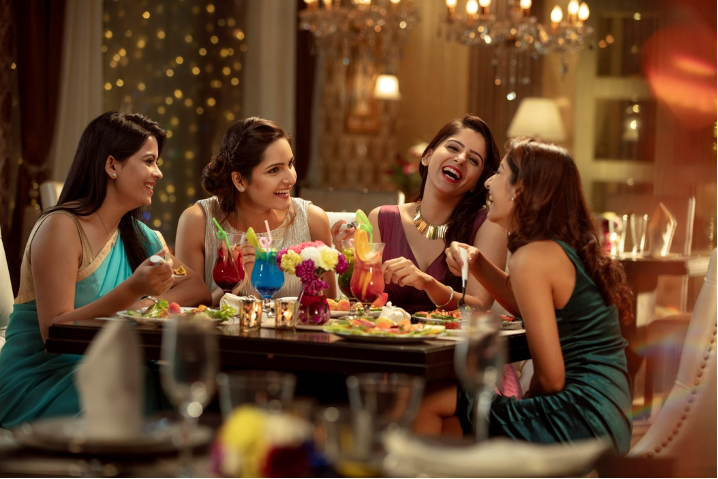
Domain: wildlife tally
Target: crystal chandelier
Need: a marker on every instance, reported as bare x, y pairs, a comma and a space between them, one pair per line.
371, 29
517, 36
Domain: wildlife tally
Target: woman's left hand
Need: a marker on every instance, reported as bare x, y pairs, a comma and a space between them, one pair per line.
404, 273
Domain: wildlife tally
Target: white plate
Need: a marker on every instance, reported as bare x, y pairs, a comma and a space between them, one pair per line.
67, 434
398, 339
341, 314
151, 321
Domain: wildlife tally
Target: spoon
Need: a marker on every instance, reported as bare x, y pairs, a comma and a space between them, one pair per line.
463, 308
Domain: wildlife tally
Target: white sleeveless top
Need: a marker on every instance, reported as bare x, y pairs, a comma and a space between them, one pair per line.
293, 230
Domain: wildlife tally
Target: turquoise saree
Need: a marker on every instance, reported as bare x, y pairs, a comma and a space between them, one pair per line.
35, 384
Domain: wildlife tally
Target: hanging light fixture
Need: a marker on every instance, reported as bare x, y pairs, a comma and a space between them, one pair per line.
372, 29
516, 35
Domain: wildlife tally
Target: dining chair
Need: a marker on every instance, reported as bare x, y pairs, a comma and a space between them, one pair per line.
685, 428
6, 299
50, 193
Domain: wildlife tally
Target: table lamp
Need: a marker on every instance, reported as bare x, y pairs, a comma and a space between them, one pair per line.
538, 118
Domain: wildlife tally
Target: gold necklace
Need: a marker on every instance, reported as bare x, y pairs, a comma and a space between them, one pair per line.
426, 229
103, 223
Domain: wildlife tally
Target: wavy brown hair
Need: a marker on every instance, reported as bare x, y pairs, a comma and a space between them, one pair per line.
242, 149
551, 206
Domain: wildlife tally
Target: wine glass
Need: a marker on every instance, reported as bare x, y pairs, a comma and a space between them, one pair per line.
228, 269
367, 282
267, 278
191, 361
479, 361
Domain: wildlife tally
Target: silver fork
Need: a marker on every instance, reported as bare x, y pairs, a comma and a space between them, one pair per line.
463, 308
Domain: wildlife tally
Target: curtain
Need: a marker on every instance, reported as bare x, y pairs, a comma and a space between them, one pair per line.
80, 99
6, 58
39, 26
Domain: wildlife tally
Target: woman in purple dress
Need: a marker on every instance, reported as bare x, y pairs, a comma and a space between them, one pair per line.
451, 204
450, 207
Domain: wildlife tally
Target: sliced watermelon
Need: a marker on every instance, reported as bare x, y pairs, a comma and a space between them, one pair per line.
174, 308
380, 301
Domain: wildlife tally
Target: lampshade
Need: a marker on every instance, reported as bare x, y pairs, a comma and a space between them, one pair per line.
539, 118
387, 87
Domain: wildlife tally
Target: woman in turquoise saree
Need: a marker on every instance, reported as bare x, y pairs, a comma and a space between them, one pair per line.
87, 258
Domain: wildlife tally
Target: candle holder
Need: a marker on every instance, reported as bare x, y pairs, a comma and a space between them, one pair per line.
249, 314
285, 313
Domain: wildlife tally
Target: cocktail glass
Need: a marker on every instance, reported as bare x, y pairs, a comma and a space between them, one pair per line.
228, 269
345, 278
367, 282
267, 278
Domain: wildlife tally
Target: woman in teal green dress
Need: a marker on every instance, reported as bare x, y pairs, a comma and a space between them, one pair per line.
86, 258
570, 297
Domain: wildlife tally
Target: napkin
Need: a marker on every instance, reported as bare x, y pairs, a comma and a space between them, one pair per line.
394, 313
233, 300
111, 386
411, 456
661, 228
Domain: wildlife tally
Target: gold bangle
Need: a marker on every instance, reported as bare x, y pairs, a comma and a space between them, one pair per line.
451, 296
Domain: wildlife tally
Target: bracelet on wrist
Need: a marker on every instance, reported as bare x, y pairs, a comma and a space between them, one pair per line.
151, 298
451, 296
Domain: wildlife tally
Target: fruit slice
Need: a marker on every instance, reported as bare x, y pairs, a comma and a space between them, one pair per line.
252, 238
380, 301
361, 244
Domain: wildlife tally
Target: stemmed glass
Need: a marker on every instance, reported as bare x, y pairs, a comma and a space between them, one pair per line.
228, 269
367, 282
267, 278
479, 361
191, 361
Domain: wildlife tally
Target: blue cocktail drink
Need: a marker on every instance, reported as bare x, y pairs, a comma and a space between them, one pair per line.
267, 278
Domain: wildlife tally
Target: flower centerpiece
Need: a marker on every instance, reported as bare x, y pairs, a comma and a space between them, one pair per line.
309, 261
404, 172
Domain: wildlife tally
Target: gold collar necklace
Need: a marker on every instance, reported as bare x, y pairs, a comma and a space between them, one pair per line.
426, 229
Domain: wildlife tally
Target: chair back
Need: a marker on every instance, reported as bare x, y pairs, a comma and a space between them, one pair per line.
331, 199
50, 193
6, 299
685, 428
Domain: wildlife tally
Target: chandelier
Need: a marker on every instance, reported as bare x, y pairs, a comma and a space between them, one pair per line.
517, 36
371, 29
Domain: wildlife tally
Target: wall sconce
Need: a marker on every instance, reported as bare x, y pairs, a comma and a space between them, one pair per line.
538, 118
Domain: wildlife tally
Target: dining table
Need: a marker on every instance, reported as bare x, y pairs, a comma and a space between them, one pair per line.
319, 359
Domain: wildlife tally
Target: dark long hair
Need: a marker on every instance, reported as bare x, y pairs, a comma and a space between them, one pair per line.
461, 221
120, 135
242, 149
551, 206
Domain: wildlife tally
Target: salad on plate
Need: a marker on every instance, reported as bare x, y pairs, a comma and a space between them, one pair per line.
163, 309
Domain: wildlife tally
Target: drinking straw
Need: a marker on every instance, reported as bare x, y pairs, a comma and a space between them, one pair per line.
222, 235
266, 242
365, 224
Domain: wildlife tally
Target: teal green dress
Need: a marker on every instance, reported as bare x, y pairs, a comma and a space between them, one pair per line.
35, 384
596, 399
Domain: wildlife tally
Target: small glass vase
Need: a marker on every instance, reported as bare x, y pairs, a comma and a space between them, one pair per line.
312, 309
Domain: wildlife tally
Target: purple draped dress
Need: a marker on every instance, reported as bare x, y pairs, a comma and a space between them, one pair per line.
413, 300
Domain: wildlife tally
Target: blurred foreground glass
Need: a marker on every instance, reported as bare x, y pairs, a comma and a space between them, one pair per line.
479, 360
344, 439
270, 390
191, 361
385, 401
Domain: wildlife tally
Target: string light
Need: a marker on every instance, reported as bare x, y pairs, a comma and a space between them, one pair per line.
160, 58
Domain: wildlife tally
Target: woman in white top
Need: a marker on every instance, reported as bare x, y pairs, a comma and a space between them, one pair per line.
250, 180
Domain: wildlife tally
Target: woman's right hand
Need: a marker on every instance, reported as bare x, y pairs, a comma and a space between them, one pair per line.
151, 278
339, 234
453, 256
